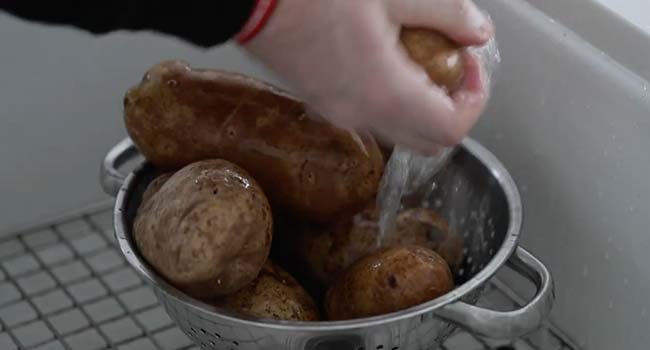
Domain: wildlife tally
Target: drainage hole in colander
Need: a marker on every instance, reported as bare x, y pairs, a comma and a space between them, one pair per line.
192, 330
236, 343
217, 335
212, 343
395, 348
380, 347
507, 347
203, 331
361, 348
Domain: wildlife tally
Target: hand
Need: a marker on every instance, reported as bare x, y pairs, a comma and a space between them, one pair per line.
345, 60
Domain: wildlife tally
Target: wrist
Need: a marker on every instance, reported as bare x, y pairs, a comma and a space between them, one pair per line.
262, 11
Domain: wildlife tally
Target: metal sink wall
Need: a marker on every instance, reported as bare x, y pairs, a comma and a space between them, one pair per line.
573, 127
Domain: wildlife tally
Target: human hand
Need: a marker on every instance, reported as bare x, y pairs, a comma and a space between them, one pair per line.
344, 58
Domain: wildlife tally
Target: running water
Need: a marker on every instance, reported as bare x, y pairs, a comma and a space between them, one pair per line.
406, 172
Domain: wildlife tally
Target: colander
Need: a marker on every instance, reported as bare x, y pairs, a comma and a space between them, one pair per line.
474, 192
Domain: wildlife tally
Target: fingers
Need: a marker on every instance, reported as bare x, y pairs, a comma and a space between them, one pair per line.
460, 20
421, 115
469, 102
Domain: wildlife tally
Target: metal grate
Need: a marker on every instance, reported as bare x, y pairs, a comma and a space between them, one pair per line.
66, 286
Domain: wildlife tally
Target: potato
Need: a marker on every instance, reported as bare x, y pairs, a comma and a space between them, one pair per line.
274, 294
389, 280
177, 115
440, 57
154, 186
324, 251
207, 229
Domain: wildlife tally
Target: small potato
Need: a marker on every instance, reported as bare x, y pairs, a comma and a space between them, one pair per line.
274, 294
207, 228
439, 56
325, 251
389, 280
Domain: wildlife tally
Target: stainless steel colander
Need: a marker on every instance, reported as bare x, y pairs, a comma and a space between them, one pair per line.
474, 192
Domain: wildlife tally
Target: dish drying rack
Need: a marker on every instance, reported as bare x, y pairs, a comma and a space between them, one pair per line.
64, 285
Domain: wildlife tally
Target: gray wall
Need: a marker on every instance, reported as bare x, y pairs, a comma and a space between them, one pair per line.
61, 108
572, 126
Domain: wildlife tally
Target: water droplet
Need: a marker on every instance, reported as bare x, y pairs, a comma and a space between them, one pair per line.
376, 265
600, 194
172, 83
609, 239
645, 87
524, 189
605, 153
626, 281
437, 203
632, 209
607, 256
644, 312
585, 270
610, 305
146, 77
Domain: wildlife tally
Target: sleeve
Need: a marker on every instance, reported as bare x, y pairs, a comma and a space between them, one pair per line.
203, 23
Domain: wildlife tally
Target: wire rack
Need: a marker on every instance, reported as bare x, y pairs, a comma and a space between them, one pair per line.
66, 286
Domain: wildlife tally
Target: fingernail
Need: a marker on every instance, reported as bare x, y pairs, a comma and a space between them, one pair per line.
487, 29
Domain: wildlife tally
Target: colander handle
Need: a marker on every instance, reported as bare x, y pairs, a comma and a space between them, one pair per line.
110, 177
509, 324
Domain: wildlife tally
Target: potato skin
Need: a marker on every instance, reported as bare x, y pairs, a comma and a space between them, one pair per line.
324, 251
207, 229
178, 115
389, 280
439, 56
274, 294
155, 186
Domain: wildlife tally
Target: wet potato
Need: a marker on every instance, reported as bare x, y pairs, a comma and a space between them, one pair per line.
178, 115
275, 295
386, 281
207, 228
438, 56
324, 251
